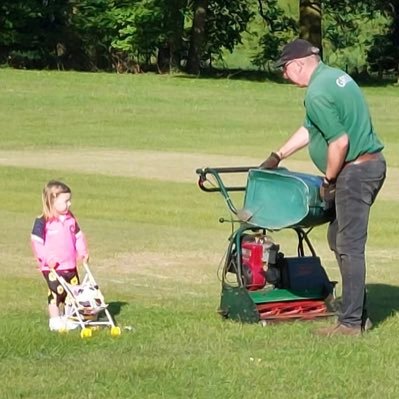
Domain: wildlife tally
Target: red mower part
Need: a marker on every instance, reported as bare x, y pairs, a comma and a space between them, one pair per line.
306, 309
254, 275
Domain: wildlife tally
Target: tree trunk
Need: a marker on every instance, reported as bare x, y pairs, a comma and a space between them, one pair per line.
164, 59
310, 22
395, 32
176, 38
197, 37
170, 52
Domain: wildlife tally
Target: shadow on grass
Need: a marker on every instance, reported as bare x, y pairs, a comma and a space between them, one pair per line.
237, 74
114, 308
276, 76
383, 301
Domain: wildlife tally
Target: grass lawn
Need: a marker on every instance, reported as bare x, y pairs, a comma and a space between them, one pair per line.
128, 146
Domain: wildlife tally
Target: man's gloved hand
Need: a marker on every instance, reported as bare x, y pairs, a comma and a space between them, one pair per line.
327, 192
271, 162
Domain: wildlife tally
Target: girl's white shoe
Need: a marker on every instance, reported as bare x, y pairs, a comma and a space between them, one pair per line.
56, 324
62, 324
69, 324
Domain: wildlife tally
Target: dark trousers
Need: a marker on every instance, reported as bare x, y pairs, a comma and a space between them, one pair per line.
356, 189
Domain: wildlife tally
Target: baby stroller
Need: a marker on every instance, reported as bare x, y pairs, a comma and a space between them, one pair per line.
85, 303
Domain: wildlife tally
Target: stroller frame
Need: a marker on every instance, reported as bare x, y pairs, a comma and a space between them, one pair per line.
86, 318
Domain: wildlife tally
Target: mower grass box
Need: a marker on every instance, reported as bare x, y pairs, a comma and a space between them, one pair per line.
278, 199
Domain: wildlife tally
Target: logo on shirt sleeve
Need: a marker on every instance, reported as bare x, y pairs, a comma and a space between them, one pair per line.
343, 80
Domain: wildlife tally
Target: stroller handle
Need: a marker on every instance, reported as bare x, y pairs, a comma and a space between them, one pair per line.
220, 186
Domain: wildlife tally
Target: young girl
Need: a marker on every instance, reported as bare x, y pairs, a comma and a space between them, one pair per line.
58, 243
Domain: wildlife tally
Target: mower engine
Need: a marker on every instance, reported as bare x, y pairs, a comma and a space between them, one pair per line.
259, 256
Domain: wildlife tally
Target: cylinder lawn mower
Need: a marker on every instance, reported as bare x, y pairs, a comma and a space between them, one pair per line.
260, 284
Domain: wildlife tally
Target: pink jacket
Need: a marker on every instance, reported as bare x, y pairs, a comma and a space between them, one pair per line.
58, 240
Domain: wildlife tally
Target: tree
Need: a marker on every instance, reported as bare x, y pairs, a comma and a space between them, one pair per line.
226, 21
310, 21
280, 29
172, 49
30, 31
197, 36
350, 16
383, 54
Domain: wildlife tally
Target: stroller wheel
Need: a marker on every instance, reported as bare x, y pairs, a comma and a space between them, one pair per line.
85, 333
115, 331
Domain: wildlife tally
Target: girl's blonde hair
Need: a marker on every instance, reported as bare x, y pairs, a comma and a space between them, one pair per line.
50, 192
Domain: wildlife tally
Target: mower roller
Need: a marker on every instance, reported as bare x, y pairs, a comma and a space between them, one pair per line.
260, 284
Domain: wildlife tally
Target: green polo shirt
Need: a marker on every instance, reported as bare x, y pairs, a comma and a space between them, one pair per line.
334, 106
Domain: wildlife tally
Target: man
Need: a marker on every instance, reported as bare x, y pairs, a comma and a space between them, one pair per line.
343, 145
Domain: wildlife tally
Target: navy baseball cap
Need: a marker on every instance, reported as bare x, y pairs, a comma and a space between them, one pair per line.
299, 48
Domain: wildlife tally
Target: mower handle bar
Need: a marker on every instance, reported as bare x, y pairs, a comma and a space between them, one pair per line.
216, 172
